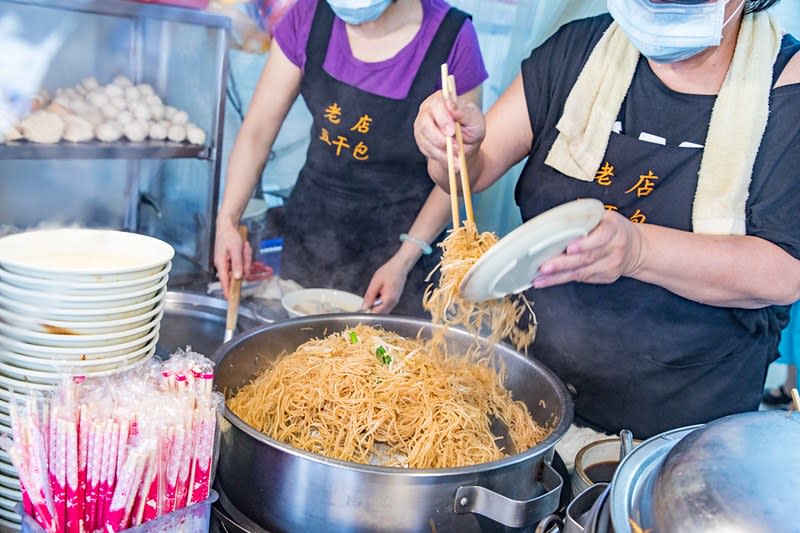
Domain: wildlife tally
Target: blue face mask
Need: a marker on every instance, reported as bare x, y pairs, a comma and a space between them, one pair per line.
357, 12
668, 32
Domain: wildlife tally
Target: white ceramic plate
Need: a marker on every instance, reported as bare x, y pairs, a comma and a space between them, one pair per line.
80, 254
81, 314
95, 300
68, 340
9, 498
9, 515
57, 352
55, 364
56, 374
82, 287
6, 466
511, 265
307, 302
80, 327
9, 482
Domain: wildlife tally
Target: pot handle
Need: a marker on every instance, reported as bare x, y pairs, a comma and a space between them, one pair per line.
511, 513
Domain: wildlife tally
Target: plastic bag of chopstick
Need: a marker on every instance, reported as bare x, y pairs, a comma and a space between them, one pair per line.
113, 453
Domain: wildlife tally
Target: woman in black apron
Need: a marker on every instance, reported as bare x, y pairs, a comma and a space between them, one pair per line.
364, 183
653, 328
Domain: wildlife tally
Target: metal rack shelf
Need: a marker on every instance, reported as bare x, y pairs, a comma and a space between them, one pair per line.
125, 8
103, 150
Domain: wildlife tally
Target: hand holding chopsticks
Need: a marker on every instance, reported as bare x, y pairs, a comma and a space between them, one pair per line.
449, 92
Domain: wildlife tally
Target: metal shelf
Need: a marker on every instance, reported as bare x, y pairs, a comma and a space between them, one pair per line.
124, 8
103, 150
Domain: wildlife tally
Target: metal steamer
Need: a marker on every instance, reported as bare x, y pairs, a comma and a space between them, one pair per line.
281, 488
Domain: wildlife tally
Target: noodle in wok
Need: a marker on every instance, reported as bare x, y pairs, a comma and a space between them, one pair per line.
367, 395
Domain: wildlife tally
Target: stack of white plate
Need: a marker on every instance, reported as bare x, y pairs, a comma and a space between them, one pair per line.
73, 302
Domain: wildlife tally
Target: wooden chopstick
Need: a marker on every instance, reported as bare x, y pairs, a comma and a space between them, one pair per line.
451, 164
462, 158
796, 399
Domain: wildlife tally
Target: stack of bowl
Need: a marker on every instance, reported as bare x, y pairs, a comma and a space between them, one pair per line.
73, 302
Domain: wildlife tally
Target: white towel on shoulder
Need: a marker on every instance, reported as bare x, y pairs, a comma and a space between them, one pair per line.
738, 120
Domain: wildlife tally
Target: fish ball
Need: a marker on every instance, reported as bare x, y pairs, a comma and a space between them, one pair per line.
195, 135
114, 90
77, 129
180, 118
97, 98
141, 111
176, 133
157, 111
90, 83
119, 102
109, 131
135, 131
157, 131
132, 94
146, 89
125, 117
109, 111
122, 81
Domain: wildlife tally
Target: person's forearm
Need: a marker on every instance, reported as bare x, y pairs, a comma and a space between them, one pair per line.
727, 271
247, 162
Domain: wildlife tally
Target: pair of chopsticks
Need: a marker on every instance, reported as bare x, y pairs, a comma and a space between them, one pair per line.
449, 92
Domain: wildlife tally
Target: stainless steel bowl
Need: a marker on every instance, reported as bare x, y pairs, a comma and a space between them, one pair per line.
281, 488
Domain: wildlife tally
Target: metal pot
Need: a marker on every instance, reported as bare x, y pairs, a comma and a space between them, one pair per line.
281, 488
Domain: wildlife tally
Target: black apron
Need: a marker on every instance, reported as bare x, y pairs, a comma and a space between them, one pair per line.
364, 180
632, 354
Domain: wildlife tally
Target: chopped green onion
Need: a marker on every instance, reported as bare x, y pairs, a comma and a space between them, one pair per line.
382, 355
353, 337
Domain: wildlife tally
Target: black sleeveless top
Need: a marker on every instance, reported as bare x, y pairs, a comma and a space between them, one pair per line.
635, 355
364, 180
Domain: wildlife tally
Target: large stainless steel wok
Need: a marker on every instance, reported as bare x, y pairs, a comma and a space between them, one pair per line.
281, 488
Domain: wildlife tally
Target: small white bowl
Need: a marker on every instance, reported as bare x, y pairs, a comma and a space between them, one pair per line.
306, 302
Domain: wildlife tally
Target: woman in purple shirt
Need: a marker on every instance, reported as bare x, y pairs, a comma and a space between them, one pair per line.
363, 68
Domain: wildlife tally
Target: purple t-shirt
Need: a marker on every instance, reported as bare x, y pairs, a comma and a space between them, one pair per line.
392, 77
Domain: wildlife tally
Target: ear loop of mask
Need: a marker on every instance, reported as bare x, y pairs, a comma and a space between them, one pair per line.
735, 11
